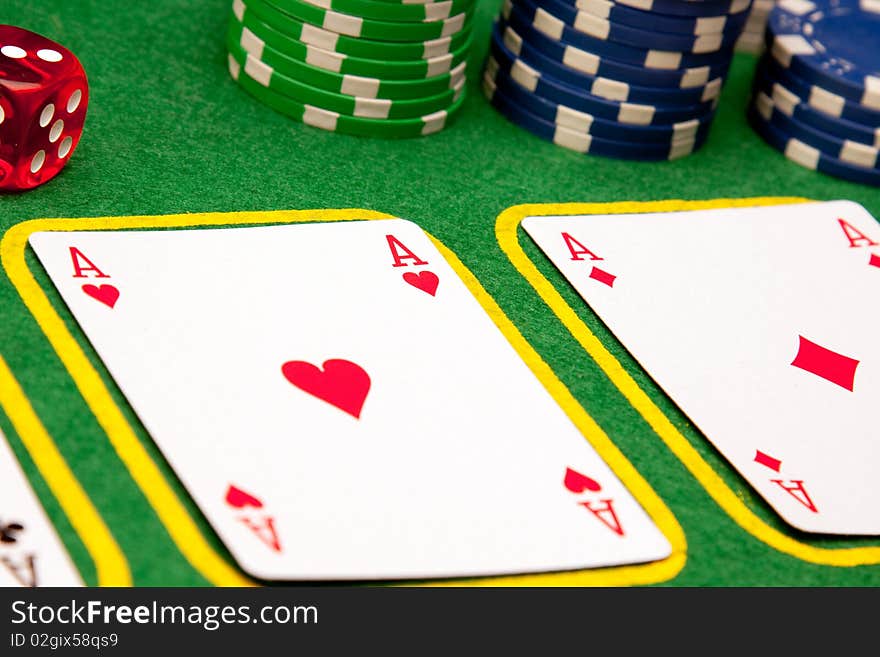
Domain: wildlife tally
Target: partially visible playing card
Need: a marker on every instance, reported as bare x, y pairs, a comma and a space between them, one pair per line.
762, 325
340, 406
31, 554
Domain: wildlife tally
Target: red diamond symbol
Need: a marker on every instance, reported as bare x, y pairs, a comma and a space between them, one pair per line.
825, 363
603, 277
874, 260
767, 460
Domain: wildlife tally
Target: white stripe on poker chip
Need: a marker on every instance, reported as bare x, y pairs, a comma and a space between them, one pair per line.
575, 141
573, 119
323, 4
803, 154
681, 148
871, 98
870, 5
315, 36
436, 47
784, 100
610, 89
251, 43
797, 7
439, 65
491, 67
458, 90
635, 114
644, 5
457, 74
663, 59
343, 23
764, 105
257, 70
326, 59
238, 8
707, 43
712, 90
320, 118
234, 67
548, 24
354, 85
434, 122
372, 108
859, 154
685, 130
581, 60
600, 8
592, 25
525, 75
710, 25
437, 10
512, 40
453, 25
695, 77
826, 101
786, 46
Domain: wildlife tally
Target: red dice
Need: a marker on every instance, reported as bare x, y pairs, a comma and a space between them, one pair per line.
43, 99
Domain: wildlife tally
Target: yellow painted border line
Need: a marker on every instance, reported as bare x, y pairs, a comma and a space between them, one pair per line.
110, 564
506, 233
173, 514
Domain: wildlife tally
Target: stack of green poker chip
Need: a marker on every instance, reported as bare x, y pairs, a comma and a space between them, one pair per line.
374, 68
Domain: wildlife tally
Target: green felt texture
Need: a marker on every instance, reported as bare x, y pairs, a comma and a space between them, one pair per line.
169, 132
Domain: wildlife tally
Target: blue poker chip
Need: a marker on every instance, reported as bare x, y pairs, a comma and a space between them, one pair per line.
809, 157
585, 143
526, 42
585, 11
627, 113
567, 117
785, 100
610, 89
655, 39
642, 55
834, 44
820, 98
848, 152
693, 8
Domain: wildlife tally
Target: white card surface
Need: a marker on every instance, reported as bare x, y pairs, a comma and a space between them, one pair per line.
31, 554
762, 325
424, 448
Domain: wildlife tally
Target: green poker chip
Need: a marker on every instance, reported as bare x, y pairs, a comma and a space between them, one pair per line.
384, 11
333, 122
356, 47
353, 106
352, 85
363, 28
255, 36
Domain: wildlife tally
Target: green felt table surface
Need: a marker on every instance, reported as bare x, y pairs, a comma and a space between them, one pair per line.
169, 132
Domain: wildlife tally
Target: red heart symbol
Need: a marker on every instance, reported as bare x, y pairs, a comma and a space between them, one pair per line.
341, 383
106, 294
426, 281
578, 483
239, 499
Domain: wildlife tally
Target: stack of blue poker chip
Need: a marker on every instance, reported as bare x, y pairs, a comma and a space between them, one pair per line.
631, 79
816, 91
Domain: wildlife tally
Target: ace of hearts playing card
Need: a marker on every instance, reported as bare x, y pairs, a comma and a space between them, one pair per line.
340, 406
